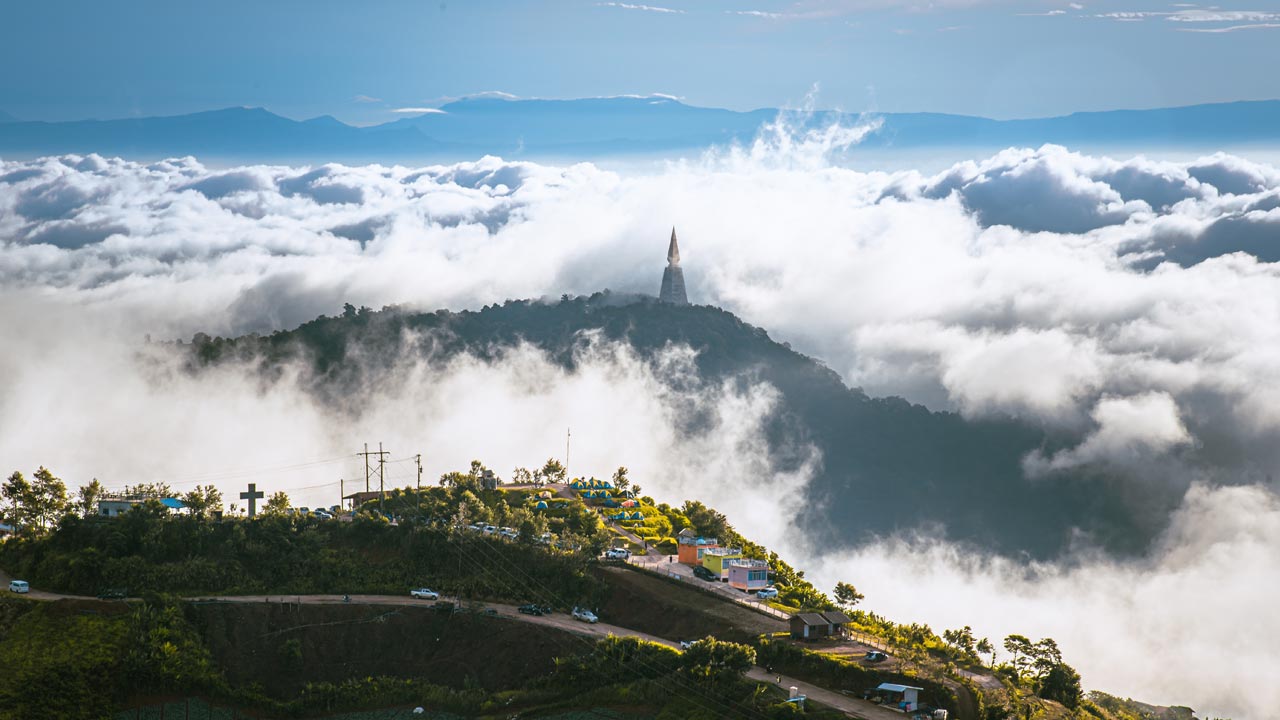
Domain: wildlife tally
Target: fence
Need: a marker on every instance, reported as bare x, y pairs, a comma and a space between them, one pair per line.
743, 599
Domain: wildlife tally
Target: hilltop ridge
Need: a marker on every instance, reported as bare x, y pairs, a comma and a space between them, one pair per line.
887, 466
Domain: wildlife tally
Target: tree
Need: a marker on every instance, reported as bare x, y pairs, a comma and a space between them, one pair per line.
17, 493
147, 491
1020, 647
1061, 683
963, 641
49, 495
277, 504
847, 595
522, 476
203, 501
714, 661
985, 647
620, 479
87, 498
706, 521
554, 471
1045, 656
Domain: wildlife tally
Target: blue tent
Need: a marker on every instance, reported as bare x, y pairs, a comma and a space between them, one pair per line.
542, 505
637, 516
611, 503
173, 503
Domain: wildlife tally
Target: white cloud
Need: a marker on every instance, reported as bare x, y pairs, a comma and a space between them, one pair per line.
1129, 429
1233, 28
418, 110
1190, 624
1120, 302
646, 8
366, 99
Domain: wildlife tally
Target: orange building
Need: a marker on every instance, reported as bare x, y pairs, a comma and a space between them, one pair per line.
690, 547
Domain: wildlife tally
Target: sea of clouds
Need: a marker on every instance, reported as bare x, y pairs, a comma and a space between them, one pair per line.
1132, 303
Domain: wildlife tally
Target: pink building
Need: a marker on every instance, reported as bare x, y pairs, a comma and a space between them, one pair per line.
748, 575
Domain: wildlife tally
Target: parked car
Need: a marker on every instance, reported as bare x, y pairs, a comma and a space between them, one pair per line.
113, 594
704, 573
443, 606
489, 529
19, 586
509, 533
875, 656
585, 615
489, 612
686, 644
529, 609
617, 553
474, 528
425, 594
767, 593
545, 538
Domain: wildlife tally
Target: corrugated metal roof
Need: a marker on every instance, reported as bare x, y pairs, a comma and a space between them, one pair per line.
811, 618
894, 687
835, 617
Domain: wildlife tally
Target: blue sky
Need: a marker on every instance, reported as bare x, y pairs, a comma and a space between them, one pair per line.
359, 61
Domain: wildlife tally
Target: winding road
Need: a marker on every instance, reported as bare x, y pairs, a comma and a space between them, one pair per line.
853, 707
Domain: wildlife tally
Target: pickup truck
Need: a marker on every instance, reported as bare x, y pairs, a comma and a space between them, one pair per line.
425, 594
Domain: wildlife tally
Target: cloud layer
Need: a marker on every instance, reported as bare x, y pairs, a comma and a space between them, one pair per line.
1129, 305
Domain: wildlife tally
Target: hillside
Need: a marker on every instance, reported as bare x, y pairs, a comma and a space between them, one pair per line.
892, 465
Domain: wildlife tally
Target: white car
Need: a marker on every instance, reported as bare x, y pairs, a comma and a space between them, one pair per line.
489, 529
585, 615
766, 593
425, 594
509, 533
617, 553
21, 586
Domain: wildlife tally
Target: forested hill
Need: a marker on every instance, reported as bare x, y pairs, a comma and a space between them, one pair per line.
887, 465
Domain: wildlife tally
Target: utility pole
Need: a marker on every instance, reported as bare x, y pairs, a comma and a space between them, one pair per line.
342, 492
382, 462
418, 458
566, 454
382, 477
366, 466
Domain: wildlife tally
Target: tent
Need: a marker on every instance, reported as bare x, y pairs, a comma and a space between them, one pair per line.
610, 503
542, 505
637, 516
629, 503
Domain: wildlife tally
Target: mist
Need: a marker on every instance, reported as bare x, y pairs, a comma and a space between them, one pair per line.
1132, 303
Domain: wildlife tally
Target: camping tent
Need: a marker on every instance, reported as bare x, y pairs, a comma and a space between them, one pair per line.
542, 505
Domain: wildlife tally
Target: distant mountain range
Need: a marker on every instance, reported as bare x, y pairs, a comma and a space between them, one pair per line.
887, 466
595, 127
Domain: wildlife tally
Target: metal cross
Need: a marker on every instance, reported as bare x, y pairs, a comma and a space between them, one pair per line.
252, 496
